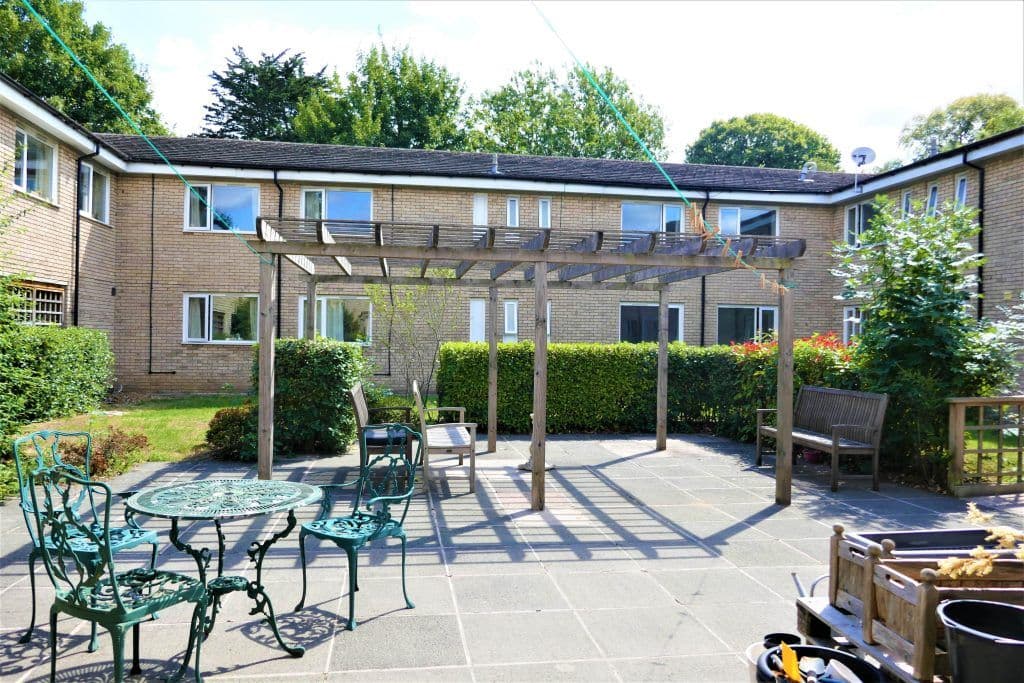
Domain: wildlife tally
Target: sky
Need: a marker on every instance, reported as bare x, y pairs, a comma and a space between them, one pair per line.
855, 71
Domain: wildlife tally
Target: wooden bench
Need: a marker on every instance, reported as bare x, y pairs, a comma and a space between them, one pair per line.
834, 421
447, 437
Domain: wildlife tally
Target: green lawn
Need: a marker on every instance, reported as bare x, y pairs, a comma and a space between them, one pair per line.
175, 427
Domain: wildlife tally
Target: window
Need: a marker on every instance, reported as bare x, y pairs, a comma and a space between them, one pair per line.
646, 217
543, 213
94, 193
512, 212
747, 220
852, 320
908, 205
39, 304
477, 320
221, 318
961, 190
639, 322
858, 219
737, 324
35, 166
342, 205
511, 328
224, 207
933, 200
341, 318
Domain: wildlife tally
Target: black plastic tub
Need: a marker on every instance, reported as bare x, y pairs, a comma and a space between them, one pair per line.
866, 672
928, 543
986, 640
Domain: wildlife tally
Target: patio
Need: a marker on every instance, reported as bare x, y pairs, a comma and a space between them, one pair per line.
645, 565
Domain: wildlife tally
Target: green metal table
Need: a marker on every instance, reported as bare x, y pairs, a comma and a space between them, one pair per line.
220, 500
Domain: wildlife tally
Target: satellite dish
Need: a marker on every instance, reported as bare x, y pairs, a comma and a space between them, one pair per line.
862, 155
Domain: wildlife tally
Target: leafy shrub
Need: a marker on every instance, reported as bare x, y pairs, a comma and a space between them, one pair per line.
612, 387
48, 372
232, 432
113, 451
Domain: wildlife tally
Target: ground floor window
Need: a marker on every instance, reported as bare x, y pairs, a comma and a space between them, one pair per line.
511, 328
344, 318
639, 322
40, 304
221, 318
853, 318
738, 324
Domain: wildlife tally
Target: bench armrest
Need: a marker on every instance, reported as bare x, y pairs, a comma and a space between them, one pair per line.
449, 409
761, 412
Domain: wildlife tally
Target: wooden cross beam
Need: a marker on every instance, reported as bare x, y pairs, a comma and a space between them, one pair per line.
688, 248
435, 235
323, 236
484, 241
588, 244
538, 242
646, 243
378, 237
266, 233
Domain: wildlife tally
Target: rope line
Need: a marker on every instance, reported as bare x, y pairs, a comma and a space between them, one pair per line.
217, 216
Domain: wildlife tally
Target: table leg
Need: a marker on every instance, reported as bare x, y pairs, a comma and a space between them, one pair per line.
257, 552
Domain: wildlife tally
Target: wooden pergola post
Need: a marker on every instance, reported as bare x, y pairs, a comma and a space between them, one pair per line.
540, 385
784, 399
492, 369
267, 325
661, 410
309, 317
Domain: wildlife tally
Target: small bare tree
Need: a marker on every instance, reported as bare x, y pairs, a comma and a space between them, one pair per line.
418, 318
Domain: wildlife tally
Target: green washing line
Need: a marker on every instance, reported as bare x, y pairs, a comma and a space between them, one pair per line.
71, 53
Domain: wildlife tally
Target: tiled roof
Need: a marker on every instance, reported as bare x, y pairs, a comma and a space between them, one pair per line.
292, 156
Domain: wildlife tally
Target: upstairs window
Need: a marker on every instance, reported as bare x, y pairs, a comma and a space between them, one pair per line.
961, 190
738, 324
222, 207
748, 220
39, 304
544, 213
647, 217
858, 220
512, 212
933, 200
339, 205
908, 206
221, 318
94, 193
340, 318
639, 322
35, 166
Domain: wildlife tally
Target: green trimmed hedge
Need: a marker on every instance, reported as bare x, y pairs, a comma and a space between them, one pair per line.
611, 387
312, 409
48, 372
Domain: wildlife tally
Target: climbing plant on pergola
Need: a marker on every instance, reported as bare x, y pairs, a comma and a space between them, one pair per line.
538, 259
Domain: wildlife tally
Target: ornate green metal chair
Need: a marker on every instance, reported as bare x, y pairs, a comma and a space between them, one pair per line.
46, 445
385, 481
91, 588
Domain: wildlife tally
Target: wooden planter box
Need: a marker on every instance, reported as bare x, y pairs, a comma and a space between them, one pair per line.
899, 607
849, 556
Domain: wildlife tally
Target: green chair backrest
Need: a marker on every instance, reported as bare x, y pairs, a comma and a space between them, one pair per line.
389, 478
43, 451
56, 493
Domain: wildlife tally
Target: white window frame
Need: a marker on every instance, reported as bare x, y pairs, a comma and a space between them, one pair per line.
852, 320
209, 340
544, 212
54, 162
510, 323
209, 208
757, 317
663, 205
739, 218
958, 198
86, 209
512, 212
321, 324
323, 190
859, 228
648, 304
907, 206
932, 207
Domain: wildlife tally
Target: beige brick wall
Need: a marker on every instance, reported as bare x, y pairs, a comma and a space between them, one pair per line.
40, 243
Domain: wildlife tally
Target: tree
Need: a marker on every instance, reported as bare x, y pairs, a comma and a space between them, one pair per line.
538, 112
258, 100
29, 55
920, 342
764, 140
965, 120
417, 319
391, 99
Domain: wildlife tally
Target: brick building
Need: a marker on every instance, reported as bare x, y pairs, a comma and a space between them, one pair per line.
107, 236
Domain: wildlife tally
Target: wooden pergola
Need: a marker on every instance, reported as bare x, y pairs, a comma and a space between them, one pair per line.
495, 258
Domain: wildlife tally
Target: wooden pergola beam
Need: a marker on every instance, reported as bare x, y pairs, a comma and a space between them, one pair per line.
378, 237
588, 245
538, 242
538, 442
265, 232
435, 235
484, 241
492, 369
323, 236
265, 389
482, 283
784, 397
643, 244
661, 407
